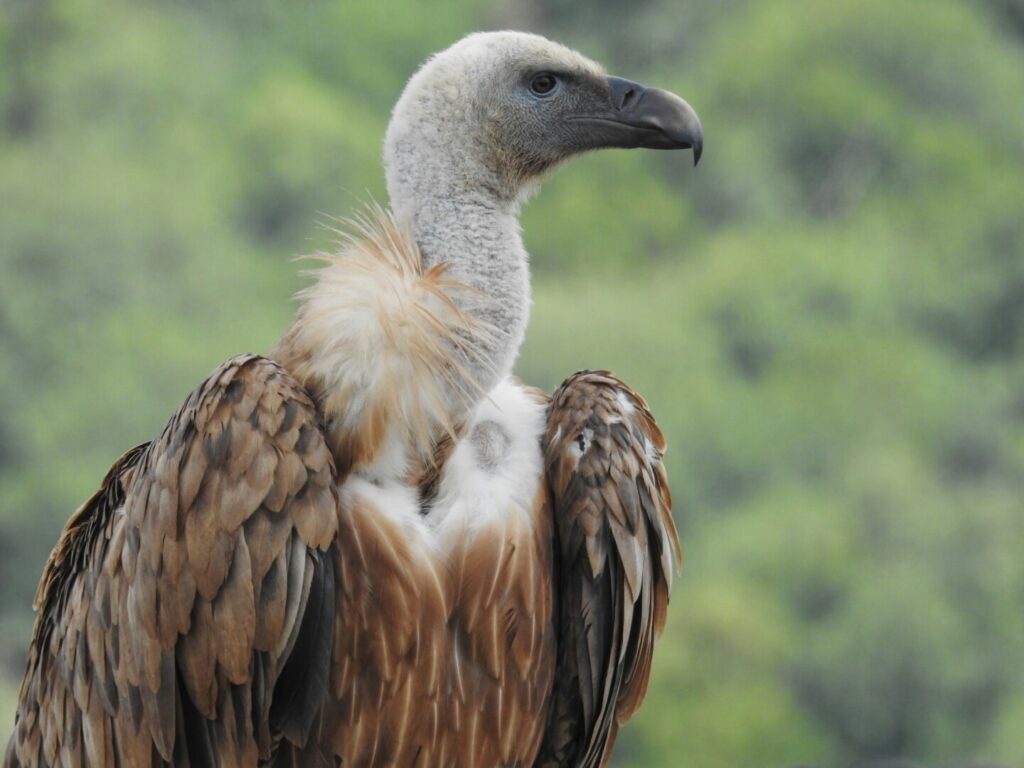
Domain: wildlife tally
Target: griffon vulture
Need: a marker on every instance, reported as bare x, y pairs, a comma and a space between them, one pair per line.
373, 547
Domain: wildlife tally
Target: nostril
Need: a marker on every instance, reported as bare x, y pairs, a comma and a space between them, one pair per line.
626, 94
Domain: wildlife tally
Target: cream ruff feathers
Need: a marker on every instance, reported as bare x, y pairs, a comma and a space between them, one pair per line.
382, 342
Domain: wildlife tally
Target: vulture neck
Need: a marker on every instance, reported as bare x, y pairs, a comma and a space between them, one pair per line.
392, 369
473, 230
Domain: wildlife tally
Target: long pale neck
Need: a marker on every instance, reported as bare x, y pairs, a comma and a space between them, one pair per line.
477, 236
393, 369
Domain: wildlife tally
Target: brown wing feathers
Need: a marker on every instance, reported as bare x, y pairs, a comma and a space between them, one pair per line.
179, 593
190, 613
616, 544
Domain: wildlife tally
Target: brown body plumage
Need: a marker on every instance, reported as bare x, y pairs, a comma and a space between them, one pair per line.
373, 548
180, 591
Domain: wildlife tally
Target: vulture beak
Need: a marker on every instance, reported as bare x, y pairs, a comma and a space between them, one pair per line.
644, 117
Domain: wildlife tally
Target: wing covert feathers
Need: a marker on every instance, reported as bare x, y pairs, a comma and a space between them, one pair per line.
178, 593
616, 543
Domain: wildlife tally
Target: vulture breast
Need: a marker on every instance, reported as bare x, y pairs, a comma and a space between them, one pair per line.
444, 635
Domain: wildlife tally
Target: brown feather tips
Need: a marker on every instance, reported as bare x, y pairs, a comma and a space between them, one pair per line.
179, 593
617, 543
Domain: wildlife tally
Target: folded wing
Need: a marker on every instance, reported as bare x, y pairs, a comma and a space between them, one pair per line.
186, 615
616, 546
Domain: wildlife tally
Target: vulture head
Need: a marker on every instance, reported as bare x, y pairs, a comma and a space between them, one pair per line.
489, 115
470, 139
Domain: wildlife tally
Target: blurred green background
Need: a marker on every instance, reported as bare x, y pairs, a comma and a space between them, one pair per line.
827, 316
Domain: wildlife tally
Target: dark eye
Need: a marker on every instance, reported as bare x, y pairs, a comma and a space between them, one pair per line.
543, 84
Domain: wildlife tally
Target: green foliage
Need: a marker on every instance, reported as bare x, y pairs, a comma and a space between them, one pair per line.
826, 316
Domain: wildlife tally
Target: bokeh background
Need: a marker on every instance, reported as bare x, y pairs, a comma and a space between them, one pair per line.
827, 315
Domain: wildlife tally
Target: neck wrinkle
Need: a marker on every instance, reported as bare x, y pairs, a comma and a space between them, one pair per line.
478, 239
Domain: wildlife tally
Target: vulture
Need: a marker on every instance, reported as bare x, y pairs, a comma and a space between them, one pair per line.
374, 546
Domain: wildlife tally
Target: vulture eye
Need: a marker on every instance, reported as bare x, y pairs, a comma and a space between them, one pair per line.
543, 84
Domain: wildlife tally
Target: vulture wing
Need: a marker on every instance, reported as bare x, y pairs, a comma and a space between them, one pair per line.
186, 615
615, 550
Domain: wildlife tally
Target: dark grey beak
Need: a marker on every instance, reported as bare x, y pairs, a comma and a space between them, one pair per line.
644, 117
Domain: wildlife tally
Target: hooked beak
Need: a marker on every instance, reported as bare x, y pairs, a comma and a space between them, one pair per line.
643, 117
